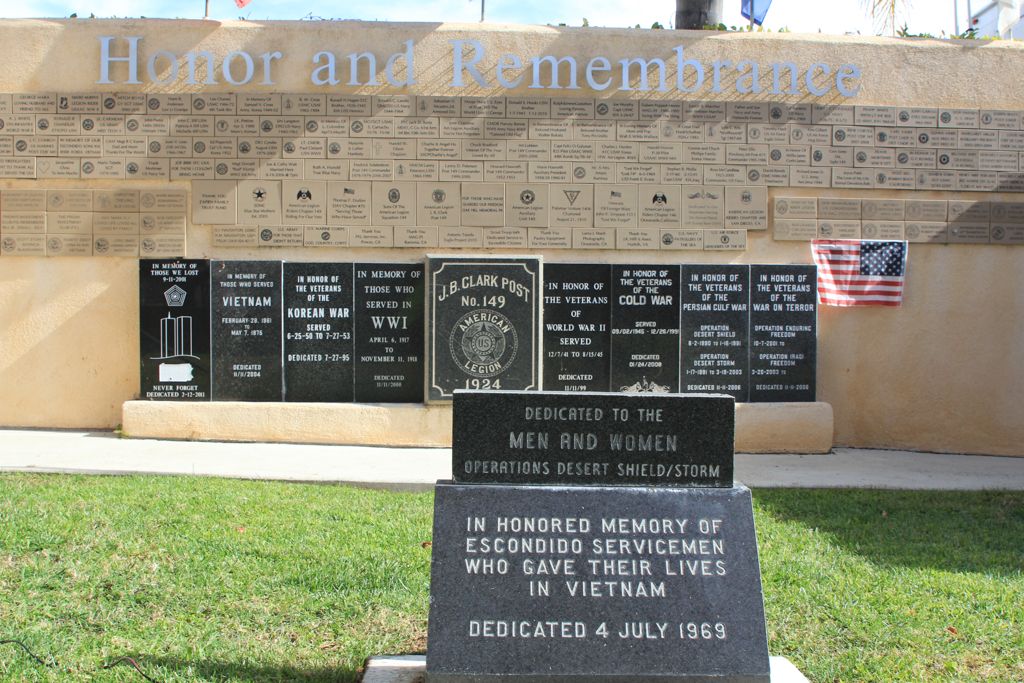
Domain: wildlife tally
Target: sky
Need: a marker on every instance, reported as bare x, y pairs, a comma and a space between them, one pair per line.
802, 16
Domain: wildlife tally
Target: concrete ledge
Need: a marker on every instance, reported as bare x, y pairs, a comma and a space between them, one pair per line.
760, 427
364, 424
784, 427
412, 669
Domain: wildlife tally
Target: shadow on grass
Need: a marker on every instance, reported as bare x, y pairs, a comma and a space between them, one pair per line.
235, 671
949, 531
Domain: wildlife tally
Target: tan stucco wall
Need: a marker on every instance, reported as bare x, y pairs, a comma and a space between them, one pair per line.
943, 373
68, 341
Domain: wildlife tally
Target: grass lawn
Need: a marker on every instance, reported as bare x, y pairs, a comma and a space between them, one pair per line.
219, 580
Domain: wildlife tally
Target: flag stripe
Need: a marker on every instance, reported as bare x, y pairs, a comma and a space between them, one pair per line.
857, 302
860, 295
858, 282
858, 299
862, 290
843, 297
856, 277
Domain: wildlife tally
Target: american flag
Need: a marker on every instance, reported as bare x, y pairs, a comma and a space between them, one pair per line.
860, 272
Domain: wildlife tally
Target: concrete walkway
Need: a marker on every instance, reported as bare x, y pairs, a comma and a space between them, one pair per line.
87, 452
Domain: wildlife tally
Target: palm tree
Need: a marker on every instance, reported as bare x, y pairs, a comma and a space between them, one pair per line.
883, 12
698, 13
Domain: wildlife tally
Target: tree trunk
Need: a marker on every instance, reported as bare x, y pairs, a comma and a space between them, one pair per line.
696, 14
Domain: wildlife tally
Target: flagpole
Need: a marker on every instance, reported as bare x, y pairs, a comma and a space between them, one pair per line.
956, 17
206, 15
752, 10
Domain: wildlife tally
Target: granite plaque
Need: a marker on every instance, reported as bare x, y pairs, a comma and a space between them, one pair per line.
214, 202
582, 584
318, 332
246, 323
577, 326
484, 324
800, 229
174, 330
783, 333
592, 439
645, 328
389, 314
746, 208
714, 330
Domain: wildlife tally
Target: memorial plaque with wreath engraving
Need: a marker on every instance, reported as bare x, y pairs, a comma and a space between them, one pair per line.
484, 324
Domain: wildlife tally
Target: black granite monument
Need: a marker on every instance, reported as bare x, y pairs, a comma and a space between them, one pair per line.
714, 330
645, 328
246, 321
783, 333
483, 330
318, 332
386, 332
577, 326
389, 332
600, 439
563, 581
174, 329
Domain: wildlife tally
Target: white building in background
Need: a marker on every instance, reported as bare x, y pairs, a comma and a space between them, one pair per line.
985, 21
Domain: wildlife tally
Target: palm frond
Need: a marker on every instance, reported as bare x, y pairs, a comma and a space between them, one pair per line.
884, 12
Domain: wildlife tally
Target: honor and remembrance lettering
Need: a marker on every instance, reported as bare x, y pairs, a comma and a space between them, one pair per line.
371, 332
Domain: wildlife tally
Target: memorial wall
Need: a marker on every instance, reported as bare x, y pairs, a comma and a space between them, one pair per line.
307, 167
